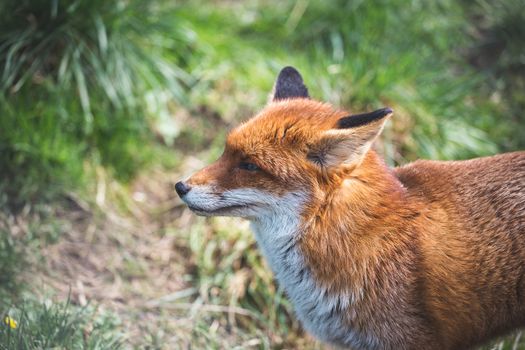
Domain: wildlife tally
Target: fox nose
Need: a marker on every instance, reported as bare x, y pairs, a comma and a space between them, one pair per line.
182, 188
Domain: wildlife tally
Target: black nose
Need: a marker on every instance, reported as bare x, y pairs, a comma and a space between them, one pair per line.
182, 188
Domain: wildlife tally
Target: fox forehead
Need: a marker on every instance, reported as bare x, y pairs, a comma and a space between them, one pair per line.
293, 123
278, 140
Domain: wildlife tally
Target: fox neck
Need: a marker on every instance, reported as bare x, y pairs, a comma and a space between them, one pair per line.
359, 216
332, 223
311, 247
278, 235
277, 231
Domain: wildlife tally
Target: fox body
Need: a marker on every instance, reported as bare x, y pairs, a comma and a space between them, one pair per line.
430, 255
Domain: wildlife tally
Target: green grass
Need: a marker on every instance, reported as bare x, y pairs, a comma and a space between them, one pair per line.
84, 80
51, 325
497, 52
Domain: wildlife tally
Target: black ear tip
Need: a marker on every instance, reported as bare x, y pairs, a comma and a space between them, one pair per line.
290, 72
289, 84
357, 120
387, 110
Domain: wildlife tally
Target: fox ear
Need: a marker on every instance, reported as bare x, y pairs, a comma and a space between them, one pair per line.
289, 84
350, 140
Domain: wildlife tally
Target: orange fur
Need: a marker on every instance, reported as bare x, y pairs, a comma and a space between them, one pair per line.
433, 253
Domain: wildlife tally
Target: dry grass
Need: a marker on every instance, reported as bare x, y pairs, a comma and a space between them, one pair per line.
132, 251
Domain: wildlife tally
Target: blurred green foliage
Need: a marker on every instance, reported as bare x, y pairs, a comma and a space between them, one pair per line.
497, 52
90, 80
81, 80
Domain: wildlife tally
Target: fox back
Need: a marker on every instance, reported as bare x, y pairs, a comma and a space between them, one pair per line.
427, 256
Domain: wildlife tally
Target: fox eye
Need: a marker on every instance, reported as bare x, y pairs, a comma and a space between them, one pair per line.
248, 166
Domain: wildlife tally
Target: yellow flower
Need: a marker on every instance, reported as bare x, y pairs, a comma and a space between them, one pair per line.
10, 322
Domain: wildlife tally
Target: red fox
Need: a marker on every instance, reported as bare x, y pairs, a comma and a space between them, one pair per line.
430, 255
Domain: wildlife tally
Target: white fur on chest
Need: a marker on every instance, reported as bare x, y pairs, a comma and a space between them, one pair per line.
322, 314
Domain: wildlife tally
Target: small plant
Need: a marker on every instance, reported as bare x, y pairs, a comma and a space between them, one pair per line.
44, 325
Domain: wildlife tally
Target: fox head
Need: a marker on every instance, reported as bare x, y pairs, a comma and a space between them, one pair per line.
290, 154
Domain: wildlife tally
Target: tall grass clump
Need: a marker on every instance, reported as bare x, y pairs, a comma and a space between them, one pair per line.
83, 80
49, 325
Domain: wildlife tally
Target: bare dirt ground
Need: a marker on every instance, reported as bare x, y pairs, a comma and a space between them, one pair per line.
120, 254
119, 259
